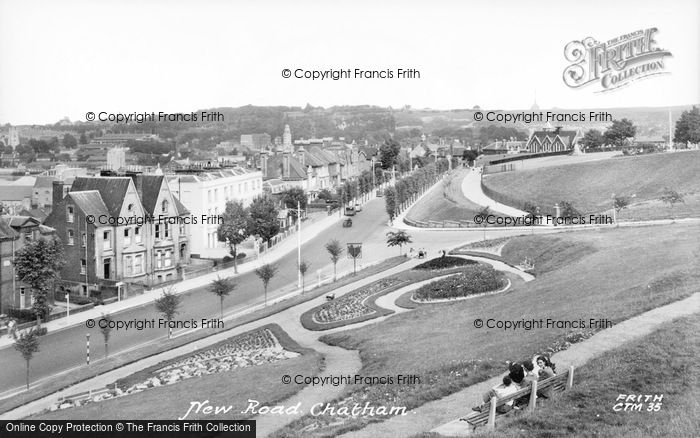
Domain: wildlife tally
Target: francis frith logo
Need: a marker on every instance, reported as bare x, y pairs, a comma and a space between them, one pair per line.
616, 62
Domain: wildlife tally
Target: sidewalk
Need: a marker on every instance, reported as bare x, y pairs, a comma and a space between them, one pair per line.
471, 187
276, 253
441, 416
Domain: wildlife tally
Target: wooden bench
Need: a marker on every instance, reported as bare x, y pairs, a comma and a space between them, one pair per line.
487, 416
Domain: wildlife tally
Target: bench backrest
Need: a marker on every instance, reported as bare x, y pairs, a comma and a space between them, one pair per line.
554, 381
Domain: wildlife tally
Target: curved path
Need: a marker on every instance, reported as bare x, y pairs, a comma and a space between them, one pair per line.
471, 187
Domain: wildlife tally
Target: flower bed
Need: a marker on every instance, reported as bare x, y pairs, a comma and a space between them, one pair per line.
473, 280
251, 349
445, 263
351, 306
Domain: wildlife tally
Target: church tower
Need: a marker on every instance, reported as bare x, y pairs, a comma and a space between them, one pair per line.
287, 140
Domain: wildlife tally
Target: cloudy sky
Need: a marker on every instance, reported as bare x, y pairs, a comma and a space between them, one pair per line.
65, 58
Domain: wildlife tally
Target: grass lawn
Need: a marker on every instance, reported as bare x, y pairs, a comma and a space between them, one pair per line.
664, 362
590, 185
625, 272
445, 202
118, 360
233, 388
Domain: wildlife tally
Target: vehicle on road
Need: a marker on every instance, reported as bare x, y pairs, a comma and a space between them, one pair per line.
347, 223
349, 211
358, 207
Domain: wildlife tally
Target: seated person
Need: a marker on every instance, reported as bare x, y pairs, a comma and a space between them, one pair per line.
516, 373
530, 376
546, 370
503, 390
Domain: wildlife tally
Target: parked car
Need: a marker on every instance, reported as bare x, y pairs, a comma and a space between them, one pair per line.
349, 211
358, 207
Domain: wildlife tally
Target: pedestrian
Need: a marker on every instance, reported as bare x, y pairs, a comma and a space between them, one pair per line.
12, 329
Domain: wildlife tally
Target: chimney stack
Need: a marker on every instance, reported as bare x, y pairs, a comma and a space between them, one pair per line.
57, 194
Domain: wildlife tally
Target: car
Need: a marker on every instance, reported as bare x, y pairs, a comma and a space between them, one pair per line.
349, 211
347, 223
358, 207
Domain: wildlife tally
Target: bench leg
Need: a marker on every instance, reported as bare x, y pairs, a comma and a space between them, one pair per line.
491, 425
533, 396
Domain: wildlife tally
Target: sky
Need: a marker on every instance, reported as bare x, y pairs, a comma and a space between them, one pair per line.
65, 58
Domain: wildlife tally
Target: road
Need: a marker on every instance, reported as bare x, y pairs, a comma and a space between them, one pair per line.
65, 349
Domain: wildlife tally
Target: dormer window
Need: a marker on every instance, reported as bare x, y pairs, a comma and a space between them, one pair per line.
164, 206
130, 208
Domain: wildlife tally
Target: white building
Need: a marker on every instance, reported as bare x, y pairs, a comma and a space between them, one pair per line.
206, 194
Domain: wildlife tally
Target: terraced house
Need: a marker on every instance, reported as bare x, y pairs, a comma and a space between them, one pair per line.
113, 237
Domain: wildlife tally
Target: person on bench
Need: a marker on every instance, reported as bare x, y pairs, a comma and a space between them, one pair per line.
546, 370
530, 376
503, 390
516, 373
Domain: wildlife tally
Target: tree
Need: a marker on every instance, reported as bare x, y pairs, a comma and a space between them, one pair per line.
390, 202
263, 218
83, 138
234, 228
69, 142
303, 267
620, 202
388, 153
568, 210
398, 238
293, 197
688, 127
671, 197
168, 305
221, 287
106, 329
265, 273
27, 343
39, 264
335, 250
531, 209
593, 139
619, 132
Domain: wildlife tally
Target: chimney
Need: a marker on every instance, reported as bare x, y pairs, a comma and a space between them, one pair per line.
57, 195
285, 165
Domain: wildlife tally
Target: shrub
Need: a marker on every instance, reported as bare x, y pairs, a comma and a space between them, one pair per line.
227, 259
472, 281
445, 262
41, 331
22, 315
240, 255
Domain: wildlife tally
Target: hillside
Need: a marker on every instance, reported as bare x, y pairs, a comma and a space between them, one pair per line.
590, 185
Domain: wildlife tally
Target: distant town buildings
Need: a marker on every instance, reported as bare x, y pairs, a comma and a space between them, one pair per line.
256, 142
551, 139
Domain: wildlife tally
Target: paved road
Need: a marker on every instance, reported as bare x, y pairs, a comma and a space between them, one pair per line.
66, 348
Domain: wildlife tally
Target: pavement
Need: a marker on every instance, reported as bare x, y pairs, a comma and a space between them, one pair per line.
471, 187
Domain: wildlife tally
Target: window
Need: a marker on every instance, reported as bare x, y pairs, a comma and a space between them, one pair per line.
138, 264
128, 266
216, 195
166, 229
71, 238
83, 266
127, 237
182, 229
209, 195
70, 214
130, 208
168, 259
159, 259
106, 241
137, 234
83, 239
158, 231
164, 206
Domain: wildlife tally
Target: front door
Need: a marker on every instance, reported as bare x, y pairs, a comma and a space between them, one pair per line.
107, 266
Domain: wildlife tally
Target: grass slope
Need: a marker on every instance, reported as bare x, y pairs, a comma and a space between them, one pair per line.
627, 271
445, 202
664, 362
590, 185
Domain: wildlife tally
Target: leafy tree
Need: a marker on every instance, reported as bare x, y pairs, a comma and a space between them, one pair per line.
263, 218
222, 287
619, 132
234, 228
39, 264
69, 142
388, 153
688, 127
671, 197
168, 305
531, 209
325, 194
390, 196
593, 139
335, 250
106, 329
265, 273
303, 267
83, 138
620, 202
27, 343
568, 210
484, 212
398, 238
293, 197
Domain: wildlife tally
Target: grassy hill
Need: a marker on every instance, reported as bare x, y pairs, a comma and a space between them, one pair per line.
445, 202
590, 185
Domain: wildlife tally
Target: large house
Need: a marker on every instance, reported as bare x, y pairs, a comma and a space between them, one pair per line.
205, 193
554, 140
120, 231
15, 233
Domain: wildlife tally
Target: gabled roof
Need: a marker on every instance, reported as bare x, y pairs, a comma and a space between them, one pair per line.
90, 202
44, 181
566, 136
181, 209
111, 189
6, 232
37, 213
21, 221
148, 188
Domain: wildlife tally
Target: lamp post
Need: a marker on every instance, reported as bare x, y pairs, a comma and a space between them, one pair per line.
298, 244
67, 308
